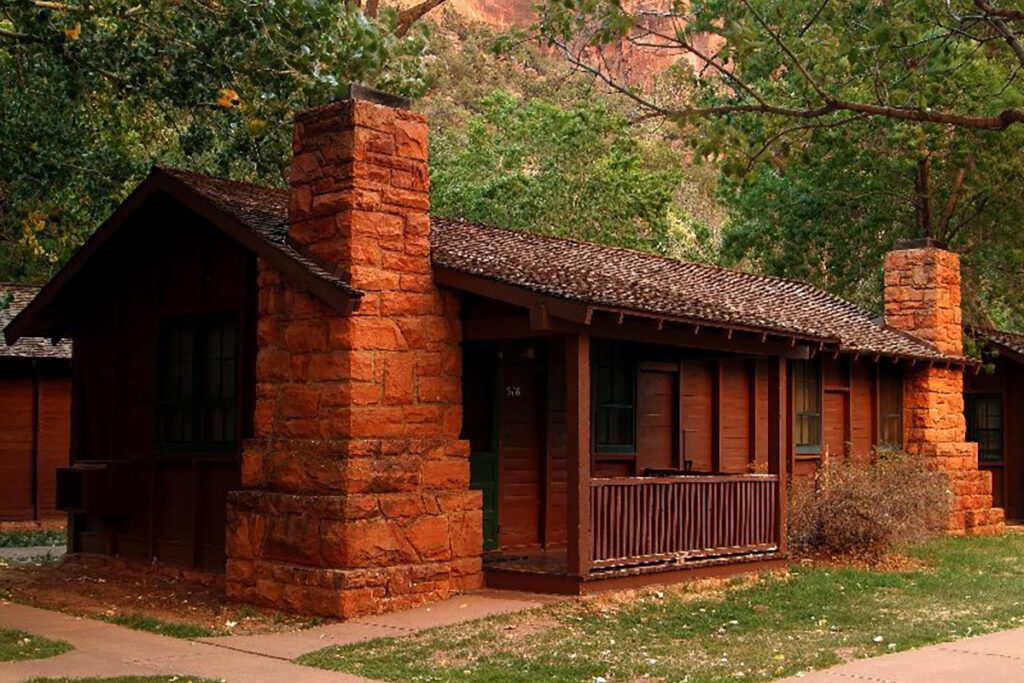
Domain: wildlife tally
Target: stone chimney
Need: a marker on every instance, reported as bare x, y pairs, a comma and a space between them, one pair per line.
922, 297
355, 488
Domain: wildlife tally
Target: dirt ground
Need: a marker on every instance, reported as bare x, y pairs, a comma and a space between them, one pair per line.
100, 589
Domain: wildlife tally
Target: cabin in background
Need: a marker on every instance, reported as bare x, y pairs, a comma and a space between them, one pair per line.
994, 408
349, 406
35, 401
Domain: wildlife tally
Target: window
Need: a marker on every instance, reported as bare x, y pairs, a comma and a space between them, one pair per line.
985, 425
890, 407
614, 397
807, 405
197, 384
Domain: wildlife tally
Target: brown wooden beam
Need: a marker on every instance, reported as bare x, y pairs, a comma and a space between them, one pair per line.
510, 294
577, 380
709, 339
717, 408
777, 442
497, 327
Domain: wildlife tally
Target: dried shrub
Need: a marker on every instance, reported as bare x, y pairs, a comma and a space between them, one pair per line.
866, 508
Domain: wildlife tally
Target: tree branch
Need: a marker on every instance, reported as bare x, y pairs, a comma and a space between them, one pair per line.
408, 17
954, 198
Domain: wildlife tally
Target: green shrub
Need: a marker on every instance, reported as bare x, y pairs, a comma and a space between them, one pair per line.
866, 508
26, 538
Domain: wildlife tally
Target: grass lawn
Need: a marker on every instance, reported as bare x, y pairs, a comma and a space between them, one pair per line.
749, 630
26, 538
143, 622
18, 645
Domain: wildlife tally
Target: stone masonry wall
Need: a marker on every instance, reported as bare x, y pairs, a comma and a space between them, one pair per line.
355, 492
922, 296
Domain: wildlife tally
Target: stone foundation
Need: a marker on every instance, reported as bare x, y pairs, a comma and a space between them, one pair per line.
922, 296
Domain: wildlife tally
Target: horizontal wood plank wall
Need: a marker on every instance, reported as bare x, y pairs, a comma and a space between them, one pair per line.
862, 409
54, 439
556, 500
16, 448
697, 410
735, 420
643, 521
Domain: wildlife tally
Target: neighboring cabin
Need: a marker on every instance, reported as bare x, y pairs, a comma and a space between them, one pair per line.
35, 401
349, 406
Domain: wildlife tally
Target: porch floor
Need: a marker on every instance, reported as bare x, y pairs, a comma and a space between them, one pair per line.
543, 571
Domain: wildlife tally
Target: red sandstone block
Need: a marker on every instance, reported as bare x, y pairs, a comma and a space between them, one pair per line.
374, 333
408, 303
467, 533
377, 421
371, 115
439, 390
399, 506
244, 533
416, 283
293, 539
410, 139
299, 400
365, 543
272, 364
365, 393
401, 263
405, 199
419, 414
399, 378
430, 537
252, 469
307, 429
449, 473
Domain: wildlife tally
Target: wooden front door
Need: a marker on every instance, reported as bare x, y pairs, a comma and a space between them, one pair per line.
836, 432
521, 443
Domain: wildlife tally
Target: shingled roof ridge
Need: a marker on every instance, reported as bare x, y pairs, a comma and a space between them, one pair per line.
240, 184
730, 272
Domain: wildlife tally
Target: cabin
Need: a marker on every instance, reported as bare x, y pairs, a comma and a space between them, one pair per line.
995, 415
347, 405
35, 402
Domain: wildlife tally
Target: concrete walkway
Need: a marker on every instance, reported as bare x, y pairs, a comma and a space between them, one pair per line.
32, 553
995, 658
103, 649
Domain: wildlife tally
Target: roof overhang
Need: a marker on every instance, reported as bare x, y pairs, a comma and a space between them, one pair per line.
34, 319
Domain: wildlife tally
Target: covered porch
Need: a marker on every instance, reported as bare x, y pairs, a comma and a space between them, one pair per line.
616, 449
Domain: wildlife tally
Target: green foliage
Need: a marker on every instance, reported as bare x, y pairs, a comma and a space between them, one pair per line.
93, 94
815, 187
144, 622
535, 166
27, 538
17, 646
759, 629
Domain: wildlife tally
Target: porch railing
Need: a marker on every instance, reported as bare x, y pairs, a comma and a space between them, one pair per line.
646, 520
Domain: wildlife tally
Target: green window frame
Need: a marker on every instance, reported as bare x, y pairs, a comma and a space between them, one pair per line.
613, 377
890, 408
984, 414
197, 384
807, 402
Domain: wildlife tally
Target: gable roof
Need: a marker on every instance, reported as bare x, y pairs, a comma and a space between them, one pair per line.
592, 274
1010, 344
26, 347
247, 213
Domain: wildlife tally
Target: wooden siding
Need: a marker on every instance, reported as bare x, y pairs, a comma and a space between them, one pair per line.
35, 407
1008, 476
166, 264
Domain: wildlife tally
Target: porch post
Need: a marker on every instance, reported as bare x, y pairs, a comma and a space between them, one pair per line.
777, 442
577, 404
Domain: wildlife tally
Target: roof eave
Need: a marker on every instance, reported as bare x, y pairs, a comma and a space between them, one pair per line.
28, 321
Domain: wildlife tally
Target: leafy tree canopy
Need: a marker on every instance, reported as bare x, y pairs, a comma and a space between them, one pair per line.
93, 94
535, 166
841, 127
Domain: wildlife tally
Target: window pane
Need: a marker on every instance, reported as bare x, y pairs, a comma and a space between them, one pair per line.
807, 403
890, 407
614, 385
197, 377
